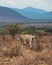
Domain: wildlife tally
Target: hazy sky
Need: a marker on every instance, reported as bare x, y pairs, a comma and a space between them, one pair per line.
42, 4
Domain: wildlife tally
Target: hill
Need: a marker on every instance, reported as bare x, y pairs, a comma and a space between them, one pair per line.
34, 13
47, 15
9, 15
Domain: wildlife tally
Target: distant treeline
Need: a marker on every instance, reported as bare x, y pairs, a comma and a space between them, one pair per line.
19, 29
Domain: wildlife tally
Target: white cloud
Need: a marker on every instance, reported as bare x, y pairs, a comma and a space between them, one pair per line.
9, 2
42, 4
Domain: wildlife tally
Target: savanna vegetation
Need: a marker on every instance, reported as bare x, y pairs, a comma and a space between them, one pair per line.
13, 52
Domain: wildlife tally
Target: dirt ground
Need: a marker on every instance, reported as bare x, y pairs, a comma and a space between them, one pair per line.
12, 52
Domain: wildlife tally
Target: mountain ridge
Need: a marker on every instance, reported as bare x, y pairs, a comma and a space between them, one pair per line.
8, 15
34, 13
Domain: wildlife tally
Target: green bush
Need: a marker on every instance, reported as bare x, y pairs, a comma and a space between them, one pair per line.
40, 32
3, 31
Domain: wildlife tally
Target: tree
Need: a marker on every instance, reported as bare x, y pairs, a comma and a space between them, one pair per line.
39, 34
3, 31
13, 29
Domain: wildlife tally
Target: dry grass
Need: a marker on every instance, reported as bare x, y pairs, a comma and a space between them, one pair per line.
12, 52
